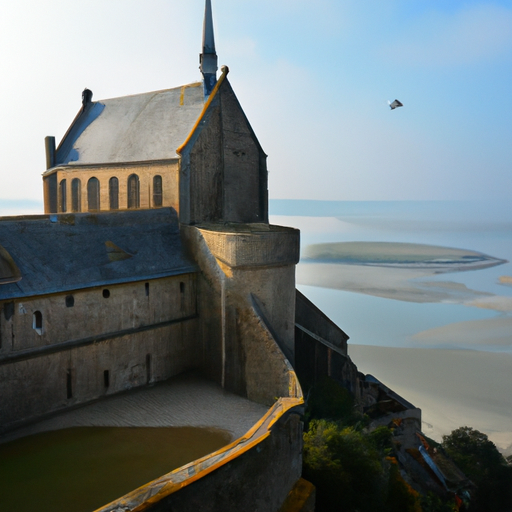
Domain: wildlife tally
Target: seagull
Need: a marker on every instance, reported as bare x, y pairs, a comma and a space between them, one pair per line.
395, 104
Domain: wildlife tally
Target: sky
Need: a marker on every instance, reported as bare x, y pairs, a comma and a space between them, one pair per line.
313, 77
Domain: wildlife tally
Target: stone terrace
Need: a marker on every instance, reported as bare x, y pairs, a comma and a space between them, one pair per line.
187, 400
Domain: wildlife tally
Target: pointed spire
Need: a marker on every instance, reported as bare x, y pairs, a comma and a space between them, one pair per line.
208, 58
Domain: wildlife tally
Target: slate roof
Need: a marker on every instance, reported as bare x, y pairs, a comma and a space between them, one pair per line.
58, 253
134, 128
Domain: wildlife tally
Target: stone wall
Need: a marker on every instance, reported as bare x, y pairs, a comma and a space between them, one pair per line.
258, 480
169, 171
247, 312
321, 348
245, 167
141, 333
223, 172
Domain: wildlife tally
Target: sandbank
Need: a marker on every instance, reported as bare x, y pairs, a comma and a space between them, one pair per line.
388, 282
401, 255
485, 334
453, 388
506, 280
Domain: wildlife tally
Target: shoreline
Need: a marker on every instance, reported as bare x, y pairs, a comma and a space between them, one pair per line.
453, 388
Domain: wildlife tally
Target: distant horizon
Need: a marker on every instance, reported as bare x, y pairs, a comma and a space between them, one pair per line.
313, 80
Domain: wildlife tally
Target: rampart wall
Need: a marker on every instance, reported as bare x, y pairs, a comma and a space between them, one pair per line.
62, 350
257, 471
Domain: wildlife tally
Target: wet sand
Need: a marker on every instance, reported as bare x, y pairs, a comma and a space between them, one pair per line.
487, 334
391, 283
453, 388
452, 383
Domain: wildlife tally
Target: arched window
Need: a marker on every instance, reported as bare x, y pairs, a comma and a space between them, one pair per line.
37, 322
157, 191
133, 191
76, 195
62, 196
93, 194
113, 192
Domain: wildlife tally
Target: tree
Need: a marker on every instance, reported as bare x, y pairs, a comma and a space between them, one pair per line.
345, 468
481, 461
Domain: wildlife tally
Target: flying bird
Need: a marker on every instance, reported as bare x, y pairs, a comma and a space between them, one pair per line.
395, 104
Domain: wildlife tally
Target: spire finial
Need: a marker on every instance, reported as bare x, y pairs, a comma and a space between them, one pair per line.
208, 58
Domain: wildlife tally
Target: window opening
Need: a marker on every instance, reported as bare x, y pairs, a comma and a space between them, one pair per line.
106, 378
182, 292
146, 286
148, 368
113, 192
157, 191
70, 301
133, 191
76, 195
8, 310
37, 322
69, 387
93, 194
106, 293
62, 196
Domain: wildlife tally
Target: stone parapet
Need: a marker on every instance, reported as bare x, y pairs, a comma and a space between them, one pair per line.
250, 245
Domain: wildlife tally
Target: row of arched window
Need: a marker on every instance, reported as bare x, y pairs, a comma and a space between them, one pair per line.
93, 193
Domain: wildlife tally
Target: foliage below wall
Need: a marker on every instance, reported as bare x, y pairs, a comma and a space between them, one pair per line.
355, 469
485, 466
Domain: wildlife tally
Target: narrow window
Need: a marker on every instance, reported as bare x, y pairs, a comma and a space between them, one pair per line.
148, 368
62, 196
133, 191
8, 310
157, 191
69, 387
182, 293
113, 192
37, 322
106, 293
106, 378
76, 195
70, 301
147, 289
93, 194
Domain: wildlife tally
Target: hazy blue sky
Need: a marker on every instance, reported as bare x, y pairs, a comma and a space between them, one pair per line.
313, 77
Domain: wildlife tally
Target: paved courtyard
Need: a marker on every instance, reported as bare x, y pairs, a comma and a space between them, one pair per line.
186, 400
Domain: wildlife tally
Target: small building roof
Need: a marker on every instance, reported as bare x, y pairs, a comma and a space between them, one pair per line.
58, 253
134, 128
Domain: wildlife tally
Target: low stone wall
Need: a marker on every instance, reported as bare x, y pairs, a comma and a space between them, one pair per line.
33, 388
256, 472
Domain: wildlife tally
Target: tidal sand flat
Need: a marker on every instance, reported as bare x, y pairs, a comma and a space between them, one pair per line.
401, 255
394, 270
506, 280
391, 283
491, 334
452, 387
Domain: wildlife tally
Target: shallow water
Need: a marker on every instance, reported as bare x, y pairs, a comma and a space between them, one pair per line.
81, 469
477, 226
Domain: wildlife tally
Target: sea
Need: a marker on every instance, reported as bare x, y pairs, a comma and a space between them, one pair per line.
483, 226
